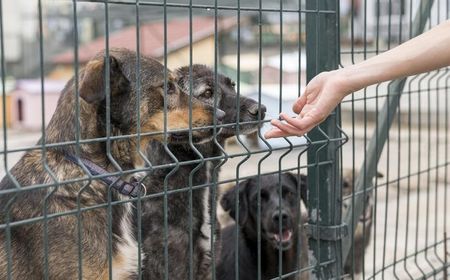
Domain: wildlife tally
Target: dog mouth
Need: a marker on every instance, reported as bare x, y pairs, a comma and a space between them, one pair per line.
282, 241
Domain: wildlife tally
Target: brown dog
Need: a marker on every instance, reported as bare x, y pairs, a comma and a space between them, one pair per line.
54, 224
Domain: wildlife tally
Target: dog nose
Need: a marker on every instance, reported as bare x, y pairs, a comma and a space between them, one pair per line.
255, 109
277, 216
220, 115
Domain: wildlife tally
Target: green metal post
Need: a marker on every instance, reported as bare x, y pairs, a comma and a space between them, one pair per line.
324, 225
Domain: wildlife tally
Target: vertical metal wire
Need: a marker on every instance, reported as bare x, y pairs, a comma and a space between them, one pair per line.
7, 207
387, 128
409, 152
107, 78
377, 147
280, 228
299, 201
215, 178
269, 151
437, 135
352, 36
191, 84
399, 121
44, 140
364, 197
239, 140
77, 134
138, 132
165, 203
446, 158
429, 151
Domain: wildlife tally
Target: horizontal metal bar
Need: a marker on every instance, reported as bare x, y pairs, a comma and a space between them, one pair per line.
128, 136
211, 7
404, 93
169, 165
410, 256
149, 196
44, 186
368, 189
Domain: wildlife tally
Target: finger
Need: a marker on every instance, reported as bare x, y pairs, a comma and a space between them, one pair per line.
295, 122
299, 104
288, 129
307, 122
275, 133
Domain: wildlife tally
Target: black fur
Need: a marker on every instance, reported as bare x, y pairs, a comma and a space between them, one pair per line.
273, 241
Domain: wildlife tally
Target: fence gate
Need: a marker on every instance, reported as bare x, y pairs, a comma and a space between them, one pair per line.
155, 149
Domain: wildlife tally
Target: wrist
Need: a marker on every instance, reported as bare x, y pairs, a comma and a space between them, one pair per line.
344, 81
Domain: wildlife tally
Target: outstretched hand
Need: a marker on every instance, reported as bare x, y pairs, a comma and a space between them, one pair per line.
322, 94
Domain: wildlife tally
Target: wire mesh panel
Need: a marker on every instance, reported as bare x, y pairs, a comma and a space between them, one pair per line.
131, 104
133, 148
395, 162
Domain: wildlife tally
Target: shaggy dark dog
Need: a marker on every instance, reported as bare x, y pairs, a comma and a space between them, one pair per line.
192, 230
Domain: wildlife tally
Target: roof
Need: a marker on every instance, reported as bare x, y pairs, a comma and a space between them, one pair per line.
151, 38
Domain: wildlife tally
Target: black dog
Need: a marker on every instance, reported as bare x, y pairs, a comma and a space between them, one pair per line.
191, 238
279, 224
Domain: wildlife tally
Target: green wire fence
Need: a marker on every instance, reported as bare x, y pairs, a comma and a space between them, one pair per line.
377, 168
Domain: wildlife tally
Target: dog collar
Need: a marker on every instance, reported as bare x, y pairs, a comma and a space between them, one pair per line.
132, 189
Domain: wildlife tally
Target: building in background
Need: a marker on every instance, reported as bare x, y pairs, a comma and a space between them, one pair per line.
26, 102
152, 43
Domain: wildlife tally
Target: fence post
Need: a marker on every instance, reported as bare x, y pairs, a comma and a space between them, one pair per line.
324, 225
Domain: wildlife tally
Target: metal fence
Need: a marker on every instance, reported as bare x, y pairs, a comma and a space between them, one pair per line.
377, 168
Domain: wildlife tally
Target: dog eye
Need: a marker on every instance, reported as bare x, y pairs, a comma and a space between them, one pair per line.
233, 85
171, 89
207, 94
264, 195
287, 194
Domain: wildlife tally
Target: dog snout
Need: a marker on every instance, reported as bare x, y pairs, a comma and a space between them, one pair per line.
220, 115
255, 110
280, 215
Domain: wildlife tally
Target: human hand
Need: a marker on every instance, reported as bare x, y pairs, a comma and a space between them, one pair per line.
322, 94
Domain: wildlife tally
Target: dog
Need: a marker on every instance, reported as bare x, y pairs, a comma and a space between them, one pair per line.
363, 231
32, 246
192, 229
354, 262
280, 219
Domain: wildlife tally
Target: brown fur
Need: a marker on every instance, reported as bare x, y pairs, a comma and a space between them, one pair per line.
53, 170
354, 265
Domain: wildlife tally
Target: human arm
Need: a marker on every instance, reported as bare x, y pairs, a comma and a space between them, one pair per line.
426, 52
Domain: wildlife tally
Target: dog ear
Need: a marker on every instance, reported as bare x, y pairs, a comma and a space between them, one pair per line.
228, 201
92, 83
301, 183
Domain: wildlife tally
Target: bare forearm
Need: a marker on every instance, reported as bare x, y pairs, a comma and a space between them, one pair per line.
324, 92
424, 53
